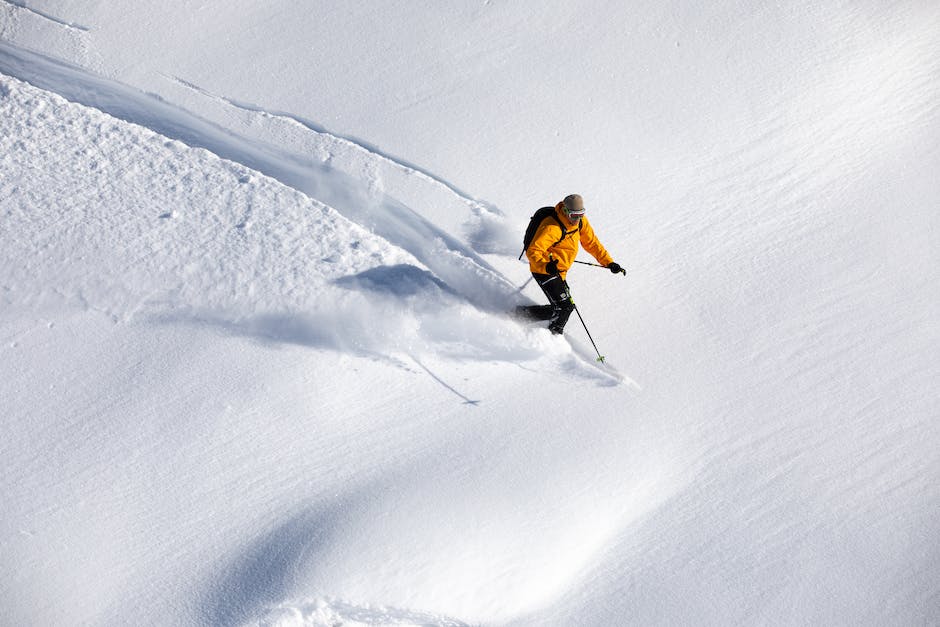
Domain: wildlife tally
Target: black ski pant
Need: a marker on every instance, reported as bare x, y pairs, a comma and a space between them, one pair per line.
560, 306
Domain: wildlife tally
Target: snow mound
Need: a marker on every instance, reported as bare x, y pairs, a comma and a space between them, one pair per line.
330, 613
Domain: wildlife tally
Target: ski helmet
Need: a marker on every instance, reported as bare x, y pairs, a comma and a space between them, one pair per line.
574, 207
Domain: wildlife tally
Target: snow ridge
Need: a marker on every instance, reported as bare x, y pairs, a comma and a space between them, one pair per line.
360, 199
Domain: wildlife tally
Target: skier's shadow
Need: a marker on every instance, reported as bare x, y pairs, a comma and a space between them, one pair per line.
398, 286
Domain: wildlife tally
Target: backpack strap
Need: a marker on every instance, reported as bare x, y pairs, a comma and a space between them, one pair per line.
565, 233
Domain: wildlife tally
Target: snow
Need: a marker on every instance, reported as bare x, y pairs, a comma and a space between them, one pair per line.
254, 264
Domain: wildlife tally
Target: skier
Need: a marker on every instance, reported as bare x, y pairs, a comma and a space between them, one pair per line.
552, 251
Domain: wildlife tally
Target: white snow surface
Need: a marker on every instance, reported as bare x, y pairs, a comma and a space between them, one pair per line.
255, 366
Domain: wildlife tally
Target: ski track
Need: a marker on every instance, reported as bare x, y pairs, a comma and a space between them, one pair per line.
21, 5
353, 142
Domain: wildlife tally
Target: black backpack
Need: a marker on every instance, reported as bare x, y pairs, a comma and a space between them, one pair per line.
536, 220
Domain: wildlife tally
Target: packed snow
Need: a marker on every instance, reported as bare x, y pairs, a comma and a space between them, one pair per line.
256, 362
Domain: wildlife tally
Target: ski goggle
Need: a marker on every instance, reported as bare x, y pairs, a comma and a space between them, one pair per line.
575, 214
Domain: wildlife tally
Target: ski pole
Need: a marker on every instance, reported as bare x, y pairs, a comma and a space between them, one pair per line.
600, 357
522, 287
597, 265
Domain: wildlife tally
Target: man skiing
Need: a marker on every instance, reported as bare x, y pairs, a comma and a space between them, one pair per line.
551, 253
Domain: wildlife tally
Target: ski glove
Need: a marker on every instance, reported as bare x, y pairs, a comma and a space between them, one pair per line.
614, 267
552, 267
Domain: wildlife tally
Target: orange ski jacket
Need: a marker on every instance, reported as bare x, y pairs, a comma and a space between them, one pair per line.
543, 247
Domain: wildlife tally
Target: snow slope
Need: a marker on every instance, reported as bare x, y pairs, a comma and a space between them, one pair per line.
254, 369
161, 252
